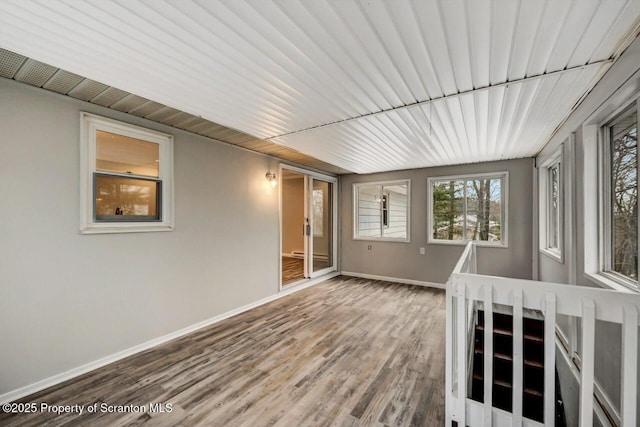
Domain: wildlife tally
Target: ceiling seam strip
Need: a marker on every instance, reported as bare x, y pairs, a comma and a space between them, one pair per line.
453, 95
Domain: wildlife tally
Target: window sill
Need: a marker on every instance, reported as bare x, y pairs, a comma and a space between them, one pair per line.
382, 239
554, 255
477, 243
606, 282
134, 228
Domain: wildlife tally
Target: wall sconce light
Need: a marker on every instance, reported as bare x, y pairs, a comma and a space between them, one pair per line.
271, 177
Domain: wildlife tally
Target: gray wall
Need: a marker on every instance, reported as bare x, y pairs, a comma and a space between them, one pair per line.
403, 260
616, 88
68, 299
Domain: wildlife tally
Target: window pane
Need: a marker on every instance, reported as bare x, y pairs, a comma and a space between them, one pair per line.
369, 211
554, 207
484, 209
126, 199
122, 154
395, 210
448, 205
624, 195
322, 224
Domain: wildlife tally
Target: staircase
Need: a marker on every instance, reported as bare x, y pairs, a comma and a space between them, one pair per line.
533, 349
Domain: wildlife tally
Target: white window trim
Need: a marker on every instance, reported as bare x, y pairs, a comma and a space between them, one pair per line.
355, 211
504, 195
544, 193
594, 216
89, 124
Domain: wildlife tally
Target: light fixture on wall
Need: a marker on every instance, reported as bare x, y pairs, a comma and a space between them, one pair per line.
271, 177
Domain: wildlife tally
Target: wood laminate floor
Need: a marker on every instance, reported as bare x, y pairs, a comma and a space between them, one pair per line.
293, 268
347, 352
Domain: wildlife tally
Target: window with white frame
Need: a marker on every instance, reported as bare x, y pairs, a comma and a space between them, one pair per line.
620, 197
470, 207
381, 210
551, 201
126, 177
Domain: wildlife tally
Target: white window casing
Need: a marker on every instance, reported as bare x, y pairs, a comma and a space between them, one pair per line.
369, 211
597, 201
546, 212
504, 208
89, 224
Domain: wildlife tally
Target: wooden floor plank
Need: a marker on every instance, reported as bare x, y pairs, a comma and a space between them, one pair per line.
347, 352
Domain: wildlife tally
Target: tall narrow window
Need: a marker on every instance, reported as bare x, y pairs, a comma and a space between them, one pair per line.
623, 201
468, 208
553, 214
381, 211
126, 177
551, 204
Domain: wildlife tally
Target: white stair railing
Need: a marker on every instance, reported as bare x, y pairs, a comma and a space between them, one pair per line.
466, 288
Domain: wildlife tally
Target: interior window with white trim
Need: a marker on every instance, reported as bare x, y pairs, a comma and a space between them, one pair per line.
381, 211
465, 208
621, 197
126, 177
551, 206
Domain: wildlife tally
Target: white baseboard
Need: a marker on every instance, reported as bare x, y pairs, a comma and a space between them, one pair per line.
72, 373
395, 280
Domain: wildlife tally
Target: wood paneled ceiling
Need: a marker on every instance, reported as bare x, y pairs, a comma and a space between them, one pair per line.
365, 86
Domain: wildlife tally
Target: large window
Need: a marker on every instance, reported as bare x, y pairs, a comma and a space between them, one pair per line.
381, 211
126, 177
468, 208
551, 205
620, 224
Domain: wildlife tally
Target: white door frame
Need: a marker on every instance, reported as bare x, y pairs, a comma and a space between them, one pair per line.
308, 267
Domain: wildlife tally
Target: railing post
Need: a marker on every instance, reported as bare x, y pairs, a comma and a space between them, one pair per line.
549, 359
450, 330
518, 360
461, 336
629, 365
488, 356
587, 354
474, 260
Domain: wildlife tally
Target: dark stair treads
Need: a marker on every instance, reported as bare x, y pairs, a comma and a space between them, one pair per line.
533, 352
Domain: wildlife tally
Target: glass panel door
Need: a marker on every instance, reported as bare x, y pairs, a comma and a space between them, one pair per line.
321, 238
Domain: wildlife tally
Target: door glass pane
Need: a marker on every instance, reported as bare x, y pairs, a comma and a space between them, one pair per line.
624, 195
322, 218
448, 206
122, 154
293, 227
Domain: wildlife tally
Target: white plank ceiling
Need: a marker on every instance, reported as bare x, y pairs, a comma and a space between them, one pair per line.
366, 85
